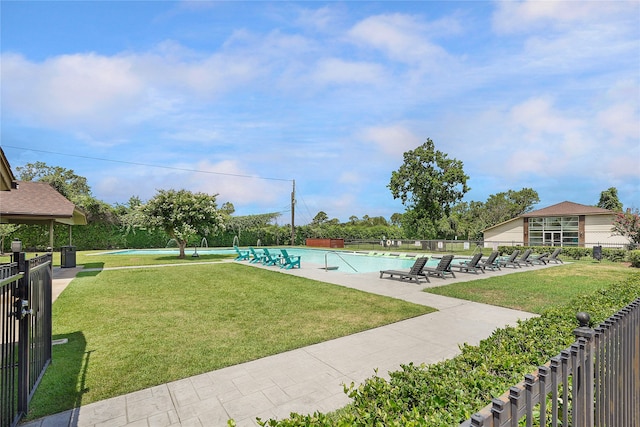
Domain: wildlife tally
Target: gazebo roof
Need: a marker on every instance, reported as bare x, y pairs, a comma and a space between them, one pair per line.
38, 203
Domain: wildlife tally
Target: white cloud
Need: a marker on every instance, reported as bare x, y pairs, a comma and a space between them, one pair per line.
86, 87
539, 118
401, 37
528, 15
195, 135
339, 71
91, 91
321, 19
237, 185
621, 122
226, 178
392, 140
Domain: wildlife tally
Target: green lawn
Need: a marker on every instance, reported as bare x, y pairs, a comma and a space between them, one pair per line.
98, 259
533, 291
131, 329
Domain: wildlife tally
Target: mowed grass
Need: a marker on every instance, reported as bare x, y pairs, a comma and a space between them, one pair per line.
534, 290
132, 329
98, 259
102, 259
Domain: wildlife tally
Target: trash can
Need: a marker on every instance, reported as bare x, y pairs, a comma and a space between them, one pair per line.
68, 256
597, 252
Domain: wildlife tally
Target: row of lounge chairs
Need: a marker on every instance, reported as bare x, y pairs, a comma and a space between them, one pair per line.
419, 270
475, 265
282, 260
527, 259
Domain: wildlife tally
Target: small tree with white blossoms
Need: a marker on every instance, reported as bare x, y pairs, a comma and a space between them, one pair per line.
183, 215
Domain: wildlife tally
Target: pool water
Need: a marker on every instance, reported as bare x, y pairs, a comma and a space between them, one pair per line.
346, 262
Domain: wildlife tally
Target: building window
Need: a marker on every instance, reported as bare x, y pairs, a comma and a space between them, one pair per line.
553, 231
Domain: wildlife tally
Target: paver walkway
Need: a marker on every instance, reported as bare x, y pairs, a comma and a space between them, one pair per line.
308, 379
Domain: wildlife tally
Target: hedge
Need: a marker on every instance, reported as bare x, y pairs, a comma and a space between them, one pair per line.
93, 236
449, 392
610, 254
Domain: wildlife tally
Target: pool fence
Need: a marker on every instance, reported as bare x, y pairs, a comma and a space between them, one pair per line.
593, 383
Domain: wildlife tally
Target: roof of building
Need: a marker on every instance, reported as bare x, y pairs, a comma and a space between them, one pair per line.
559, 209
35, 202
7, 179
566, 209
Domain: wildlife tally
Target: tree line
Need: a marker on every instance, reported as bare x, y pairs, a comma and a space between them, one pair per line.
430, 185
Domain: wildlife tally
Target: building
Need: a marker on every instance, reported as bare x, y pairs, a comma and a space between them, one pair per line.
23, 202
563, 224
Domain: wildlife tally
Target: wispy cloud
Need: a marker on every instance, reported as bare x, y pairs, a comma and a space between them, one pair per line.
526, 93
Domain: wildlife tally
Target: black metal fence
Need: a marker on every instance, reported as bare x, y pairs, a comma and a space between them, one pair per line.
595, 382
443, 245
390, 244
25, 328
9, 278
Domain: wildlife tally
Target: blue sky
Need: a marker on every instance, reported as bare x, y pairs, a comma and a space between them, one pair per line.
241, 98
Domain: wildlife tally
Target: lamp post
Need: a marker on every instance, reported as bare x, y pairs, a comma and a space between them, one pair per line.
16, 248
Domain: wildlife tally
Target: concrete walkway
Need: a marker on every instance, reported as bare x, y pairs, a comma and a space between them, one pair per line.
308, 379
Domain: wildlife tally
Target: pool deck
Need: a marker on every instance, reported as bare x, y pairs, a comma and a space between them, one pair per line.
308, 379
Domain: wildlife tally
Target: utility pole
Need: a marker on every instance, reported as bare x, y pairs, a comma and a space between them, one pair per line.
293, 213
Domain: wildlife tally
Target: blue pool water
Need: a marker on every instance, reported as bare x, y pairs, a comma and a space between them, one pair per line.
346, 262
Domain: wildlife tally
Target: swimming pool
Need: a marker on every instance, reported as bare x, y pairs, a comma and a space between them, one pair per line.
343, 261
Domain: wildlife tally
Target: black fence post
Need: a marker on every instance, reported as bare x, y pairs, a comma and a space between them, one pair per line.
583, 408
22, 310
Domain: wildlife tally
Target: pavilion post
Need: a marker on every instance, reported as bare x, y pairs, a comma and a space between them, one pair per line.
51, 234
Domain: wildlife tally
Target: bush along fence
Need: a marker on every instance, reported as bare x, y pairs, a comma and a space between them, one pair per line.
594, 382
610, 254
449, 392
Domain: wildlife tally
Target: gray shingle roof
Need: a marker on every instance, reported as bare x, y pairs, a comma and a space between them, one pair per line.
38, 202
567, 209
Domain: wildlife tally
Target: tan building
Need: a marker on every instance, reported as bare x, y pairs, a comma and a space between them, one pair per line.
563, 224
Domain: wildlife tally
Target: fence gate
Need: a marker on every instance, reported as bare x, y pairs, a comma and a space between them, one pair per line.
25, 328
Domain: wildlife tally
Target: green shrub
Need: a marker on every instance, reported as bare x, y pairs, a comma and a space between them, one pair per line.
634, 258
611, 254
614, 255
449, 392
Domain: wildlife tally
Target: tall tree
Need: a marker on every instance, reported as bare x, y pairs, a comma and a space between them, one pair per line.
65, 181
72, 186
320, 218
396, 218
609, 200
504, 206
183, 215
428, 183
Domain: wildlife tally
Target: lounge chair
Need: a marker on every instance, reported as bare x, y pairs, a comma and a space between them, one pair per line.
255, 256
415, 273
554, 257
242, 255
269, 259
490, 262
470, 266
511, 261
289, 261
540, 259
442, 269
524, 259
